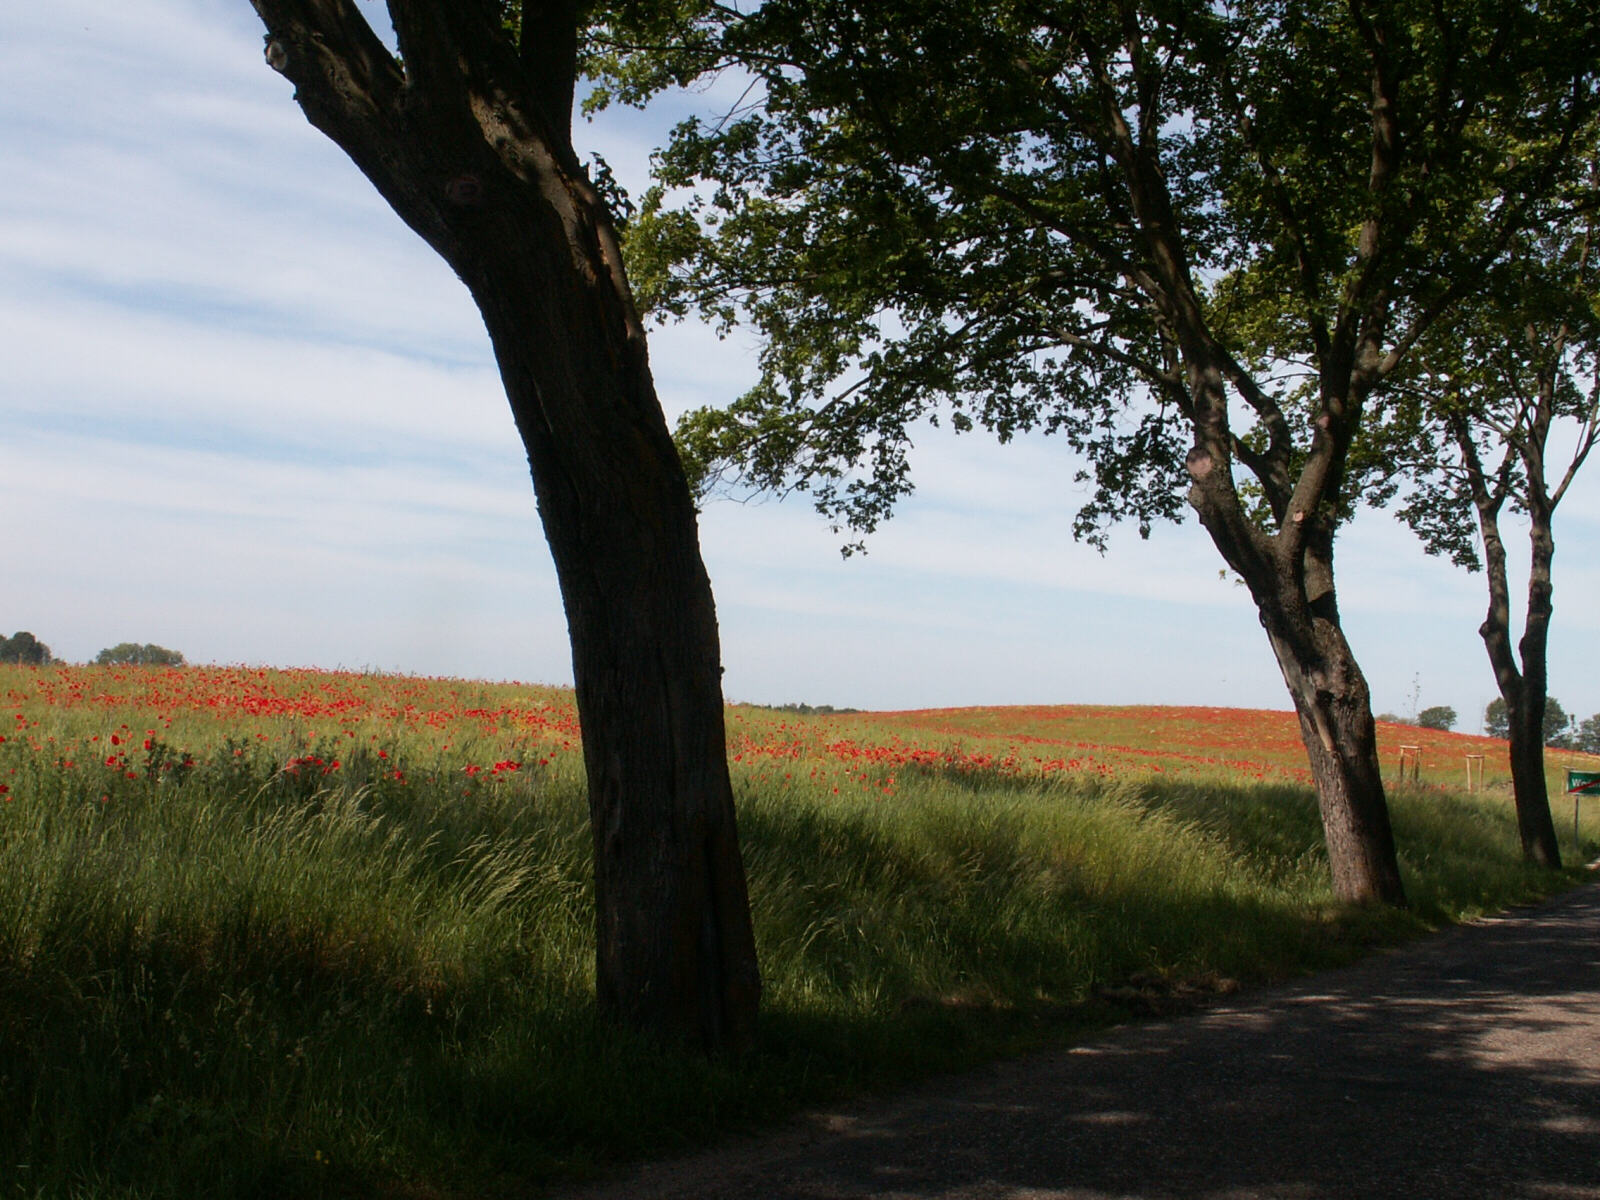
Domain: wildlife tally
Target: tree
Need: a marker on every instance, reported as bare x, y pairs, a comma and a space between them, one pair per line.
1552, 731
1440, 716
467, 133
1192, 238
1496, 723
1558, 728
1469, 424
131, 654
1587, 737
24, 649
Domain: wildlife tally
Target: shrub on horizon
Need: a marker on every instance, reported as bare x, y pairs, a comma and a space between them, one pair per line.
131, 654
23, 649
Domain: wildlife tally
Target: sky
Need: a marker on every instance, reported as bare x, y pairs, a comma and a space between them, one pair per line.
247, 414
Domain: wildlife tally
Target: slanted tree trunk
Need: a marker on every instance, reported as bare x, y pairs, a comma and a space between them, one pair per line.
675, 948
1289, 571
1290, 577
1334, 707
470, 144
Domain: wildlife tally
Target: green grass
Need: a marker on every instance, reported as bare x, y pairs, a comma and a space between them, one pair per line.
233, 979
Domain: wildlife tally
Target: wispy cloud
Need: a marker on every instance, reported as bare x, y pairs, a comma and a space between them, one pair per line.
246, 412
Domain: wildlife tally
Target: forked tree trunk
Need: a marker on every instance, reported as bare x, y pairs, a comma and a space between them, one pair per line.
1524, 690
469, 143
1290, 577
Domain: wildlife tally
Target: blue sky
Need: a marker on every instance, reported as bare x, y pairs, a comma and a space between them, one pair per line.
247, 414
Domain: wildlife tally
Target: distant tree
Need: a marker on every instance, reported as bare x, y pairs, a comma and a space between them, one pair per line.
1440, 716
1496, 412
1388, 718
24, 649
1559, 728
131, 654
810, 710
1587, 737
1497, 722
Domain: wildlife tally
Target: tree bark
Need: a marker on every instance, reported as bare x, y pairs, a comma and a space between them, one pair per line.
1290, 577
1535, 825
675, 946
1532, 793
1524, 690
1334, 706
470, 145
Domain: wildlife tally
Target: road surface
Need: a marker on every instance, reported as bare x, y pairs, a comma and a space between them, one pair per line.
1465, 1065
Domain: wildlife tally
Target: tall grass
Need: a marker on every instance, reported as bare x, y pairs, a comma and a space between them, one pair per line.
252, 976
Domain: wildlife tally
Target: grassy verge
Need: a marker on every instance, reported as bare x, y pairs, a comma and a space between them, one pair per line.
259, 974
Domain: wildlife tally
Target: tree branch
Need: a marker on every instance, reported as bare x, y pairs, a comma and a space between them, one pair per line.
549, 51
346, 81
1283, 204
1588, 434
1164, 381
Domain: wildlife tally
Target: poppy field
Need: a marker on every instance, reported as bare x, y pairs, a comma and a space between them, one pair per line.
290, 933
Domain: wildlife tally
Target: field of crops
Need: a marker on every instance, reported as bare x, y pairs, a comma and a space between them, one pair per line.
286, 933
106, 722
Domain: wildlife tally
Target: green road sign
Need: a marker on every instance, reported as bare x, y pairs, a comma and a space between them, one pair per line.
1580, 784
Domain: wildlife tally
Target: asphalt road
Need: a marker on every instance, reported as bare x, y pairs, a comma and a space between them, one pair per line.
1465, 1065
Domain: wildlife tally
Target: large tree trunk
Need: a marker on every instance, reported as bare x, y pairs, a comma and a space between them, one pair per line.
1290, 577
1534, 823
469, 143
1335, 711
675, 947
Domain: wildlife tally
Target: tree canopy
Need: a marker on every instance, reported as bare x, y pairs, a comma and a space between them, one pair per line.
132, 654
1191, 239
1017, 215
1555, 726
1469, 421
1439, 716
23, 649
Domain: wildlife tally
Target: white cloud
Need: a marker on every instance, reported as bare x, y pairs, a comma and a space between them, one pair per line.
192, 378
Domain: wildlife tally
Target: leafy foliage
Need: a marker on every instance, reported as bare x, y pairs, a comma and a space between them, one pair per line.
24, 649
1496, 719
1558, 726
1468, 422
1062, 217
1440, 716
131, 654
1497, 722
